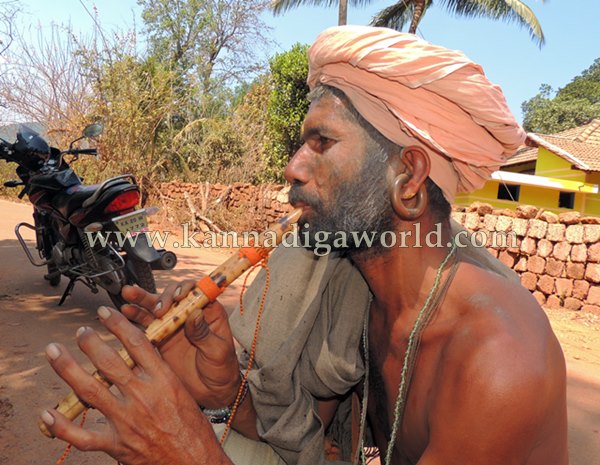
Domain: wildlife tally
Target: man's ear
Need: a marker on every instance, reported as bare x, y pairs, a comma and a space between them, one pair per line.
409, 170
417, 165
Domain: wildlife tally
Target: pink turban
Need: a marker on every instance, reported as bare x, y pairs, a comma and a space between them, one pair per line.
416, 92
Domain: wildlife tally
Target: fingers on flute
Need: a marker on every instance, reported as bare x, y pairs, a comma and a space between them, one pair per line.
134, 341
82, 439
138, 315
87, 388
104, 357
172, 293
138, 296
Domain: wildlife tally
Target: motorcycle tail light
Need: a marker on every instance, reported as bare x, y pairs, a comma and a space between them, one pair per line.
123, 201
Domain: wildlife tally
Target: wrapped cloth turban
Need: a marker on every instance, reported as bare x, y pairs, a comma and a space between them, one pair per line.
412, 91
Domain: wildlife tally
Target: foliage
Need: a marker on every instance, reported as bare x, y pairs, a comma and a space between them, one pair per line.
411, 12
287, 107
574, 105
210, 43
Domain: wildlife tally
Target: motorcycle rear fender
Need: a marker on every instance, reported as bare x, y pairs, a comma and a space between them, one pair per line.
141, 250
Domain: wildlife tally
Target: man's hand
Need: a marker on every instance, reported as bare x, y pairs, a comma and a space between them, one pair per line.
155, 421
203, 354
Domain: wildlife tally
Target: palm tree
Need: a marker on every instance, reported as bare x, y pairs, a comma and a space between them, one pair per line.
399, 14
281, 6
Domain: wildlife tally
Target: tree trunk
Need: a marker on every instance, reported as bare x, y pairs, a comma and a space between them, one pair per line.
419, 8
343, 13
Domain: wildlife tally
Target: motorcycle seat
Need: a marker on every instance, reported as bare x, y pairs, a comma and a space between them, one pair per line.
73, 197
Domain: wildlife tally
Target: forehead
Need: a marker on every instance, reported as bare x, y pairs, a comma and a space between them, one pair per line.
329, 110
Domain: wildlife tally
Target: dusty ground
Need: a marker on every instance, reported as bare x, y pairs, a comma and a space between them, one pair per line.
30, 319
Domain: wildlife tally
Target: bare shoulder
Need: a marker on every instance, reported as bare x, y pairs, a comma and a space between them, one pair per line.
501, 330
502, 373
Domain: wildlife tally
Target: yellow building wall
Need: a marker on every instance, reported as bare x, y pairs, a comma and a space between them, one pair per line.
548, 165
528, 195
552, 166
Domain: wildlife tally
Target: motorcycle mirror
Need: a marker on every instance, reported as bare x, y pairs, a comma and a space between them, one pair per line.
93, 130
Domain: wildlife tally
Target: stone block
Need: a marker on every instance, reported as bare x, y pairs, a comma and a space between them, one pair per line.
593, 253
554, 267
575, 270
545, 284
579, 253
592, 272
556, 232
536, 264
570, 303
521, 264
537, 229
591, 233
480, 208
563, 287
549, 217
506, 257
489, 222
519, 226
561, 250
580, 289
569, 217
544, 248
590, 220
553, 302
514, 244
595, 309
503, 223
459, 217
529, 246
540, 297
574, 233
593, 296
529, 281
526, 211
471, 221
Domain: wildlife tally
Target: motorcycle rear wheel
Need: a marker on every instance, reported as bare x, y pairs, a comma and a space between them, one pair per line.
140, 274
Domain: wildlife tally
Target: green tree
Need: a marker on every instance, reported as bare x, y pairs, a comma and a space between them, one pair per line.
573, 105
210, 42
287, 107
411, 12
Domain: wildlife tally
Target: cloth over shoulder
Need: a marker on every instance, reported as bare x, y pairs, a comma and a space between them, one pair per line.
308, 346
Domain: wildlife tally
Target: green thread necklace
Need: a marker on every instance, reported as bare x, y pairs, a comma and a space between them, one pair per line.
413, 342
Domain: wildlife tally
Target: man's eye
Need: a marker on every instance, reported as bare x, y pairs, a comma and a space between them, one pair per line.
325, 142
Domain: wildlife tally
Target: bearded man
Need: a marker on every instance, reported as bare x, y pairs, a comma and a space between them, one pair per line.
459, 363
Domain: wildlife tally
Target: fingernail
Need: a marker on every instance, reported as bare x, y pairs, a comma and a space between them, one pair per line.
104, 313
158, 306
47, 418
177, 291
80, 331
52, 351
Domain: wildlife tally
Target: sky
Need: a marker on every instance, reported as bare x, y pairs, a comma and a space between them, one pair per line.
506, 52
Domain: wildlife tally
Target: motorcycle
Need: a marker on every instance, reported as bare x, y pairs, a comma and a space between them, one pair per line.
85, 233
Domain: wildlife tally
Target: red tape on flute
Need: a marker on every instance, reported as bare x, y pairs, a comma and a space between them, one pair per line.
209, 288
254, 254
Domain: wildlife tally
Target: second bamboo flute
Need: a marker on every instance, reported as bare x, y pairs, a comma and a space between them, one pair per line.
206, 291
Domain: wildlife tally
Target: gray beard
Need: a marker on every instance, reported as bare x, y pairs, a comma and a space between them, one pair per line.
359, 205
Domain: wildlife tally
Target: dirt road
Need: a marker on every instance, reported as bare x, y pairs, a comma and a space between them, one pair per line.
30, 319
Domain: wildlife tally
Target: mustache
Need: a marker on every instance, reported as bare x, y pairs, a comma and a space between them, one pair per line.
296, 194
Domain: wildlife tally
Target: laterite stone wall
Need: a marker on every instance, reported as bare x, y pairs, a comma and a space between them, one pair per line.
556, 256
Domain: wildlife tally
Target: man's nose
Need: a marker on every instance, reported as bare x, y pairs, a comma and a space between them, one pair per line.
297, 169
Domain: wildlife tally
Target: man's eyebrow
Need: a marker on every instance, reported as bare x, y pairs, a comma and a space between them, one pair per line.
313, 130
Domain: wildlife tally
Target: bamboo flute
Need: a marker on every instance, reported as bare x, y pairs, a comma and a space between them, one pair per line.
206, 291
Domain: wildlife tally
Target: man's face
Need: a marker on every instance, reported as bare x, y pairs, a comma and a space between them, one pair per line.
338, 176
